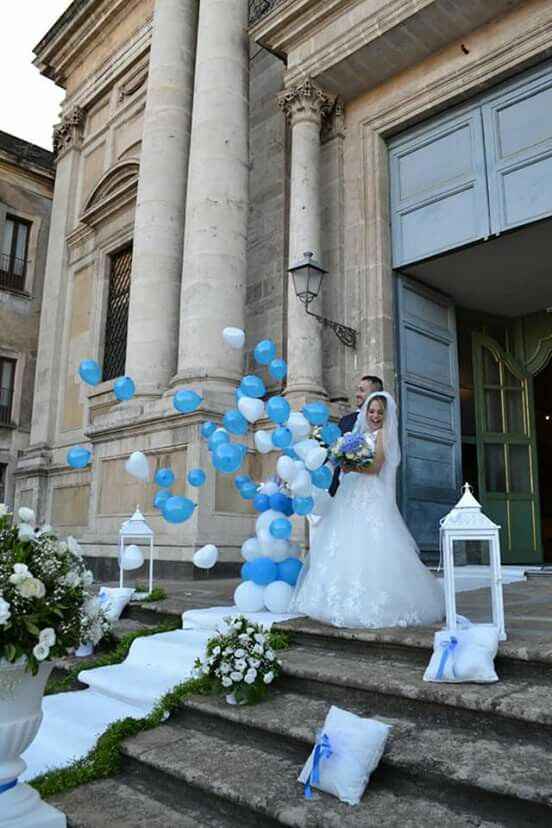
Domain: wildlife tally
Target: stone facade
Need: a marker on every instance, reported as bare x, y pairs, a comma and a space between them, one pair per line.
26, 188
219, 194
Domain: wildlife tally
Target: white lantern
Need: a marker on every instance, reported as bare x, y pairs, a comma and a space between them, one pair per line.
466, 522
133, 529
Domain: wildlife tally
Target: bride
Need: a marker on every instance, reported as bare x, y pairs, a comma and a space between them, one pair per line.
363, 568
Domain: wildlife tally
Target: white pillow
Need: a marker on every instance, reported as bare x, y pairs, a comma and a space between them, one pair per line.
113, 600
470, 659
357, 746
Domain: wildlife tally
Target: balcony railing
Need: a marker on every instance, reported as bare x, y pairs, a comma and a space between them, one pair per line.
6, 397
258, 9
12, 272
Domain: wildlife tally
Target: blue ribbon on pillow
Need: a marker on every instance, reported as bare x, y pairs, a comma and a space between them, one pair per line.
449, 646
322, 750
8, 786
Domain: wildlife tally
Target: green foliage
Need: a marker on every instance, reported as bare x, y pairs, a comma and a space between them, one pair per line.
157, 594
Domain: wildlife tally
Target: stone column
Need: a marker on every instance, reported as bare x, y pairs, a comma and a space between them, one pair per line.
160, 206
215, 247
304, 106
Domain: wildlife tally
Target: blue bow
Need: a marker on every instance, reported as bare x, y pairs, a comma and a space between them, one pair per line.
8, 786
322, 750
449, 647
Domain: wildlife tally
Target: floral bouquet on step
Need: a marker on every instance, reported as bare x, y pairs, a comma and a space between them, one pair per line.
44, 593
352, 450
241, 662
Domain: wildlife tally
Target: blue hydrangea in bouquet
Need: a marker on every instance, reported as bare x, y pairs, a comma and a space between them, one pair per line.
352, 450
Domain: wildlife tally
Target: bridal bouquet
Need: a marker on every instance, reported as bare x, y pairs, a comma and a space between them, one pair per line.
352, 450
241, 662
44, 597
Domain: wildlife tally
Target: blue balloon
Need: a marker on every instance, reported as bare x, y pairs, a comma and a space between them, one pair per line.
289, 570
290, 452
238, 393
186, 401
322, 477
303, 505
124, 388
248, 490
281, 503
243, 450
217, 438
78, 457
263, 571
207, 429
261, 502
282, 437
245, 571
90, 372
278, 409
178, 509
164, 478
252, 386
330, 433
317, 413
227, 458
241, 480
265, 352
235, 422
281, 529
196, 477
277, 369
161, 498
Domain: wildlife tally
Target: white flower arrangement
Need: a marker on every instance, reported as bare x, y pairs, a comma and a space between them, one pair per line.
45, 605
241, 661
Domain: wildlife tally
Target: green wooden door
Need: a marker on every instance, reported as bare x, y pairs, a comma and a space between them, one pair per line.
506, 450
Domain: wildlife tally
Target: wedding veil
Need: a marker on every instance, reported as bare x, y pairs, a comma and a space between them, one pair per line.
390, 430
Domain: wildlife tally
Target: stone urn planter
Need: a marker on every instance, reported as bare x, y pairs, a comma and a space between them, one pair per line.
20, 718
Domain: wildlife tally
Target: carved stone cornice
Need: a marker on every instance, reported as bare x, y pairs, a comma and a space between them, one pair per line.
69, 131
306, 102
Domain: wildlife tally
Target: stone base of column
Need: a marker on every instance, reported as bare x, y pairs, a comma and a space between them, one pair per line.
198, 378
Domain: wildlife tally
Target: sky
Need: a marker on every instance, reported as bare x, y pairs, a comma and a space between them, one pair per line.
30, 102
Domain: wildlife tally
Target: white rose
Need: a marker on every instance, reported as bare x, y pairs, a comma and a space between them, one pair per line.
269, 655
249, 678
216, 651
5, 613
240, 653
259, 638
47, 636
226, 682
72, 579
268, 678
257, 649
41, 651
3, 510
26, 515
250, 630
88, 578
21, 569
62, 548
31, 588
240, 664
244, 638
74, 546
254, 662
225, 668
236, 676
25, 531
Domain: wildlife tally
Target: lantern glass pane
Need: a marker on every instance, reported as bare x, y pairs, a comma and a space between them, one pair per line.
495, 467
300, 282
473, 588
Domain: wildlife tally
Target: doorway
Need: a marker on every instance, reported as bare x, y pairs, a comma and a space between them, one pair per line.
543, 418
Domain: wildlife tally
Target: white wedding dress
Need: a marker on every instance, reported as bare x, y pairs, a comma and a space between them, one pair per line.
363, 569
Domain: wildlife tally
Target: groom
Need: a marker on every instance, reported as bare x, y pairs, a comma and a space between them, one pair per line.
368, 384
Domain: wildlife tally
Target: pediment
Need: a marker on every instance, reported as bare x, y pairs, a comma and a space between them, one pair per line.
117, 186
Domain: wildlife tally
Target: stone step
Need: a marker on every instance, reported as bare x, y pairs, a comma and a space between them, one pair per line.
394, 687
414, 646
259, 779
506, 768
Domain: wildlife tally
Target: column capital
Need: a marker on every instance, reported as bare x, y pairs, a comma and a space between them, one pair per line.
69, 130
306, 102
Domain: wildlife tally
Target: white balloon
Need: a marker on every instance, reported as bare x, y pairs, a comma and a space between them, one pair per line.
316, 457
302, 485
251, 408
132, 558
251, 549
304, 447
206, 557
265, 519
275, 548
269, 488
249, 597
286, 469
277, 596
234, 337
298, 425
263, 442
137, 465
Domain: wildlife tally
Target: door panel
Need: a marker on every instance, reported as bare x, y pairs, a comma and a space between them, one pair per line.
506, 449
438, 188
430, 431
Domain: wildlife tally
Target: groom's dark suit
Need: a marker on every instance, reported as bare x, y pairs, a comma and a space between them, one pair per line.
346, 423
